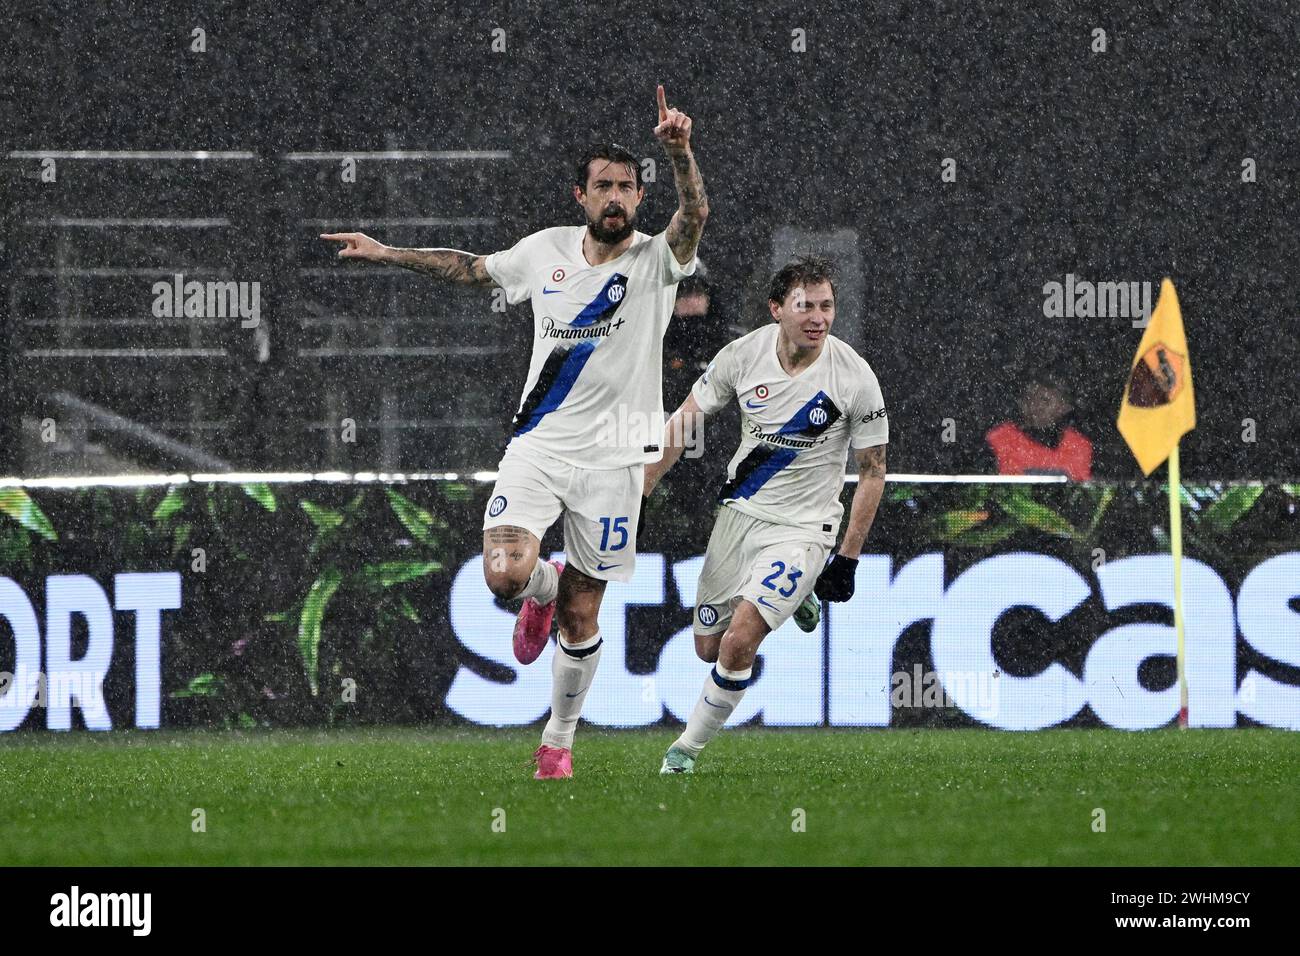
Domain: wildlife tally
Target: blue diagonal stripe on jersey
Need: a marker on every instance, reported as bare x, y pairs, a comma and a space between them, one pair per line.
561, 370
755, 469
764, 461
801, 422
605, 304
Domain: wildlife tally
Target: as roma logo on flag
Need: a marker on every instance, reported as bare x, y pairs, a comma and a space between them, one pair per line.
1158, 377
1158, 407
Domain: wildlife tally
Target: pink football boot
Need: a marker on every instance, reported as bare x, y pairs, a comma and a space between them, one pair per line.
533, 626
553, 763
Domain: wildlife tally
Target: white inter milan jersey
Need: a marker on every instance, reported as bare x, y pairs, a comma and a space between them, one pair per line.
594, 395
795, 431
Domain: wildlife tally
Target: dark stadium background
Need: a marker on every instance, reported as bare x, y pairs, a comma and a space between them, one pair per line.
1116, 166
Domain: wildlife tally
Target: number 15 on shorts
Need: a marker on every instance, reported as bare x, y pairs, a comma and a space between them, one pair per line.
616, 528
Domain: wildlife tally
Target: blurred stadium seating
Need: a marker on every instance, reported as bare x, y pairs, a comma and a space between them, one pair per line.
1061, 169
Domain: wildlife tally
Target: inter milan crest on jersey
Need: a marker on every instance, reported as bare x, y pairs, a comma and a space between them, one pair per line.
605, 304
819, 414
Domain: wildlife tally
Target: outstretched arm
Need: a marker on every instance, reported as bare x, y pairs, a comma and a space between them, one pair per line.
866, 499
687, 224
449, 264
681, 432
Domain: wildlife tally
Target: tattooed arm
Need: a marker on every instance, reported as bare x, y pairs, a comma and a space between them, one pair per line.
871, 485
674, 131
449, 264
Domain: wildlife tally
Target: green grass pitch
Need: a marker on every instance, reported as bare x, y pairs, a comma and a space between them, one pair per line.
431, 796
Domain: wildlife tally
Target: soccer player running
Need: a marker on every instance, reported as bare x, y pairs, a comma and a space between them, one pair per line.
602, 295
805, 398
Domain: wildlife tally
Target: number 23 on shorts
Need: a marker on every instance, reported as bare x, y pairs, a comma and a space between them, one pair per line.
778, 569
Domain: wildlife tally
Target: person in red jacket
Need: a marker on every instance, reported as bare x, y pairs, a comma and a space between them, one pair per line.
1040, 442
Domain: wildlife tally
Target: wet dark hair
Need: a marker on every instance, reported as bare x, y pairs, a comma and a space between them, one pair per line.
610, 151
800, 271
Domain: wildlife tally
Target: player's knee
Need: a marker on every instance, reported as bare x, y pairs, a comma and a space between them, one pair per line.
735, 656
706, 647
738, 648
505, 584
576, 623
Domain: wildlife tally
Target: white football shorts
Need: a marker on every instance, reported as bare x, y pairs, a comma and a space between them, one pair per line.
601, 509
773, 566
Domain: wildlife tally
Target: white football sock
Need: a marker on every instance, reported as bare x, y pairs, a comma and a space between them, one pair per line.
723, 690
572, 668
543, 584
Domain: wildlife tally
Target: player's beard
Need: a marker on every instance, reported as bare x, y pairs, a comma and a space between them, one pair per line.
612, 236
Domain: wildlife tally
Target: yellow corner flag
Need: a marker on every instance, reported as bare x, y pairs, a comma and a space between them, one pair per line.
1156, 412
1157, 409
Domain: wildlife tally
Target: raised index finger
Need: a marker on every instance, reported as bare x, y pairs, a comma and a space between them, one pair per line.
663, 103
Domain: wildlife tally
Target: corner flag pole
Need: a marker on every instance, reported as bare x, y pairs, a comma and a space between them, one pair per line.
1176, 551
